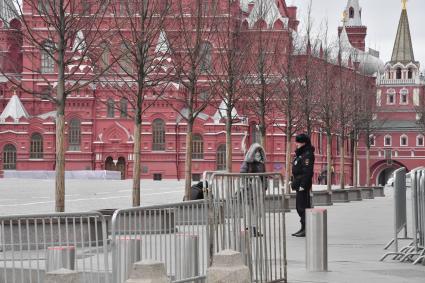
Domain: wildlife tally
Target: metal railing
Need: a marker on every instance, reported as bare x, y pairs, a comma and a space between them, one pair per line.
415, 250
174, 234
32, 244
240, 219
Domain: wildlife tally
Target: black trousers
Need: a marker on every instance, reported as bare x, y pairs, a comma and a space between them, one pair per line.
303, 202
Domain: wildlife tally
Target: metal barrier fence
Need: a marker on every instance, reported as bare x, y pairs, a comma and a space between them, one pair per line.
415, 251
33, 244
400, 211
240, 219
173, 233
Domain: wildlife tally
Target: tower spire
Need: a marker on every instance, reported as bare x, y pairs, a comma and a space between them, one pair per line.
404, 4
403, 48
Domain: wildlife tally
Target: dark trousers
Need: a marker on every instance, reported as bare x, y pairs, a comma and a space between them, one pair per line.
303, 202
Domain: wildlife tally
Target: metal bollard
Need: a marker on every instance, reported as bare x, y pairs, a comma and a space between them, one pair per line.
187, 256
128, 252
316, 240
60, 257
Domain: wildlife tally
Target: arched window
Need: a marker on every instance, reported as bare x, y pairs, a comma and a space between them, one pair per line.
123, 108
387, 140
390, 98
158, 135
74, 135
403, 96
9, 157
36, 147
420, 140
372, 140
197, 147
221, 157
110, 108
404, 140
398, 74
410, 73
351, 12
125, 60
205, 56
106, 53
47, 62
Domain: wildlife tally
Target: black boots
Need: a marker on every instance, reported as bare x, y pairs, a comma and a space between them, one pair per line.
254, 232
300, 233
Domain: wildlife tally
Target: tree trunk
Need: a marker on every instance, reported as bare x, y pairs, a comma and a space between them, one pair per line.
229, 150
288, 172
60, 133
355, 171
136, 162
60, 159
367, 166
342, 164
188, 162
329, 162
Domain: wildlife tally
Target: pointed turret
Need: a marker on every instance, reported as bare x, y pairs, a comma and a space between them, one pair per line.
14, 109
353, 14
403, 48
352, 22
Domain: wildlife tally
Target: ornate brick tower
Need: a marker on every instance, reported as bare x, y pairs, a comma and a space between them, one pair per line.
352, 21
397, 140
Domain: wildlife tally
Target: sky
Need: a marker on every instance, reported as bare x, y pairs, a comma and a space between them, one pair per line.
380, 16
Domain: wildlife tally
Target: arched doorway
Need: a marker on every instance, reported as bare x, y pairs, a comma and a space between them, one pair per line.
121, 167
109, 164
384, 176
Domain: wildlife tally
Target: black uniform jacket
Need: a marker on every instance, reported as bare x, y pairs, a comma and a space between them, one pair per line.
302, 168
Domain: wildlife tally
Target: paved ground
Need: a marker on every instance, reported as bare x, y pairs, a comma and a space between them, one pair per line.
357, 234
357, 231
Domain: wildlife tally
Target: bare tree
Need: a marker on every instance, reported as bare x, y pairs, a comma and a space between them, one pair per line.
344, 88
309, 74
289, 102
326, 101
190, 40
65, 55
142, 56
227, 77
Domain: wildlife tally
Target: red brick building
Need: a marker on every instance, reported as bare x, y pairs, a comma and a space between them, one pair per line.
99, 133
397, 140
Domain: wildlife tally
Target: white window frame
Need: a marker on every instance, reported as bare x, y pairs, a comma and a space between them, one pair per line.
374, 140
407, 140
406, 93
385, 140
417, 140
393, 94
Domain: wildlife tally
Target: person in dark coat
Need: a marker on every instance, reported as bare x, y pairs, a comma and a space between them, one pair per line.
302, 177
254, 162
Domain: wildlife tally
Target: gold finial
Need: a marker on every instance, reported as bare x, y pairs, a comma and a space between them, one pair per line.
344, 18
404, 4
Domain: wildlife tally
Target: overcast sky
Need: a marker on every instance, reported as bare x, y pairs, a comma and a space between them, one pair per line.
380, 16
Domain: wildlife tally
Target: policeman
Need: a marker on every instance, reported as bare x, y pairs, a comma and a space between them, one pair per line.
302, 176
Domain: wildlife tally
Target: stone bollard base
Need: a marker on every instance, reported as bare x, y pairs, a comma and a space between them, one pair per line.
148, 271
62, 276
228, 267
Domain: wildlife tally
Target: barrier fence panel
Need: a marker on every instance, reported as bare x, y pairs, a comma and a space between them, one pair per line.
421, 219
414, 183
241, 220
174, 234
30, 245
400, 212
